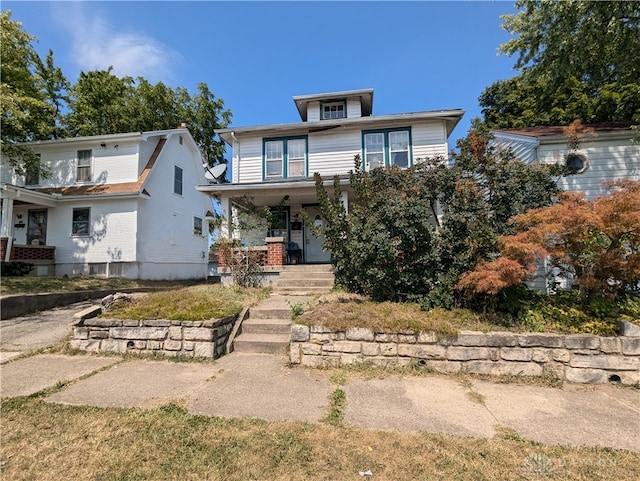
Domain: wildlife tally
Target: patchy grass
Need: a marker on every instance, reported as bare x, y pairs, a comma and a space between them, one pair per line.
194, 303
32, 285
342, 311
51, 441
337, 405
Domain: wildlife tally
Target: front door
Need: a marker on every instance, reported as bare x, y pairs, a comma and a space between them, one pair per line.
37, 227
313, 251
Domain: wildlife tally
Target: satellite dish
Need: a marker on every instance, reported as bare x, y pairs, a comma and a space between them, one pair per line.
208, 175
218, 170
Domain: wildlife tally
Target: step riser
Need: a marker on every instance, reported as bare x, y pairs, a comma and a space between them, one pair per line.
307, 275
305, 283
260, 347
250, 328
302, 290
258, 313
308, 268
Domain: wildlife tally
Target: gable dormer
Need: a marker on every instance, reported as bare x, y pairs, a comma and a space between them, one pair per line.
335, 105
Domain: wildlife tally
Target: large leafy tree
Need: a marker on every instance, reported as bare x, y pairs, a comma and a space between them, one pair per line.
102, 103
577, 60
25, 112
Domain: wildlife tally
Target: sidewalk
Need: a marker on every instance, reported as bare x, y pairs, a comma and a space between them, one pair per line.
263, 386
266, 387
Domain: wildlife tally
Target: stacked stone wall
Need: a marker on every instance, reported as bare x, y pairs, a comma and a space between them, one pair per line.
578, 358
170, 338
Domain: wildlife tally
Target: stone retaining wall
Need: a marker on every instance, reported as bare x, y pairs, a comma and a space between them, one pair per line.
578, 358
171, 338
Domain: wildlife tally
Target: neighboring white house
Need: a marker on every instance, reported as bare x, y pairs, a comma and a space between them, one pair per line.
121, 205
605, 152
272, 161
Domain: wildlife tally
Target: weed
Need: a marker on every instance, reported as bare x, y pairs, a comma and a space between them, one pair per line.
337, 404
297, 309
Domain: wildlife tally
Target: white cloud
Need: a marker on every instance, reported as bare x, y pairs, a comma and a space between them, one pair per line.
96, 44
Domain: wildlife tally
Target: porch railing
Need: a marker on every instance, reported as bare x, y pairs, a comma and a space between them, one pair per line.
27, 253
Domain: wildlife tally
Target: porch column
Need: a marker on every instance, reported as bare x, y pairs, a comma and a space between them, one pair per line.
275, 251
7, 217
226, 229
6, 229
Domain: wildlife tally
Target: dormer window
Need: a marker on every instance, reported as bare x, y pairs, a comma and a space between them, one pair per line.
334, 110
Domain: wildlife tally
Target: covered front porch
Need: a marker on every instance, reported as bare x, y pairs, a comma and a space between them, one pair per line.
23, 228
284, 238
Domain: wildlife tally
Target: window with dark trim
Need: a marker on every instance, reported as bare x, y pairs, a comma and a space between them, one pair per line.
387, 147
334, 110
83, 169
177, 180
80, 221
284, 157
197, 225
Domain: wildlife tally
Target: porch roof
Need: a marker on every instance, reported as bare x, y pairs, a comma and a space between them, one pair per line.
299, 190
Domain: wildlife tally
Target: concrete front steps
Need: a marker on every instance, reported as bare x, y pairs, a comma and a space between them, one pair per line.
305, 279
268, 328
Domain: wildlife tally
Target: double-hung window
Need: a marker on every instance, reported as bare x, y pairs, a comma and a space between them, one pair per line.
80, 221
32, 176
334, 110
387, 147
197, 225
285, 157
83, 170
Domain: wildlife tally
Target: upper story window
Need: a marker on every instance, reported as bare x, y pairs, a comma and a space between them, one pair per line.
387, 147
334, 110
83, 170
177, 180
32, 176
285, 157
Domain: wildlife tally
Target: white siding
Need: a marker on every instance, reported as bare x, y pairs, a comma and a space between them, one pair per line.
167, 247
354, 108
608, 160
250, 161
429, 140
112, 234
333, 153
313, 111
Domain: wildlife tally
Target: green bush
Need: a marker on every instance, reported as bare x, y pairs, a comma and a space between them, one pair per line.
15, 269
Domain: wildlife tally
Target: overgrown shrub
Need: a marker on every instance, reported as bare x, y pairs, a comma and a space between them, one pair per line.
410, 234
15, 268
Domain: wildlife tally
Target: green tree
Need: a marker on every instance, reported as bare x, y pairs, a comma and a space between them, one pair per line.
578, 60
98, 104
102, 103
25, 114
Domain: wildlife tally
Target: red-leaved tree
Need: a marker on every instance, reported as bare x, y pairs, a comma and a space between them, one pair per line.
597, 243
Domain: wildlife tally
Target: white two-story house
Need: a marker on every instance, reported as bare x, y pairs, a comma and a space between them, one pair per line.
121, 205
274, 162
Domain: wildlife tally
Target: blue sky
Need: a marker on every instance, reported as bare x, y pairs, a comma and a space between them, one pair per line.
257, 55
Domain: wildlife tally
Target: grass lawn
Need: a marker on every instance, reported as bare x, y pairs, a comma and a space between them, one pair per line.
50, 441
31, 285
